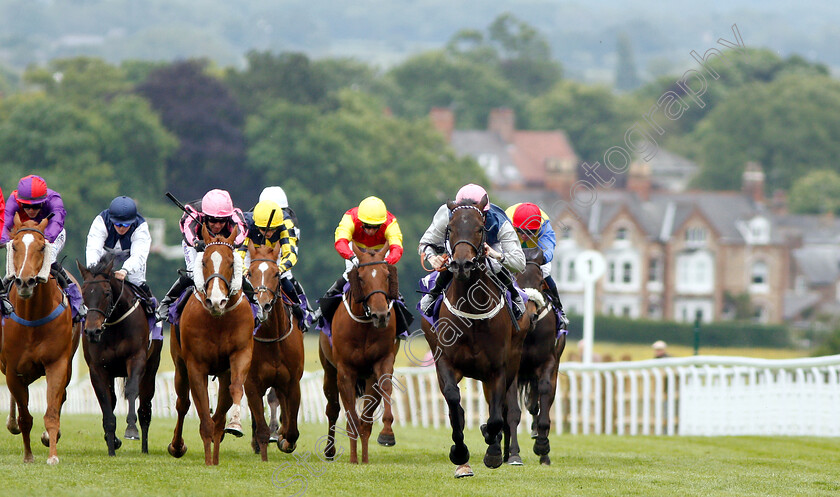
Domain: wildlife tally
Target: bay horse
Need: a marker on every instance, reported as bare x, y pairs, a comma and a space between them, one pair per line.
277, 360
537, 378
40, 338
473, 336
360, 360
116, 343
214, 337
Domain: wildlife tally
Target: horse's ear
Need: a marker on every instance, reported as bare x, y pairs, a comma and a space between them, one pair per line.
82, 270
233, 235
358, 251
204, 234
451, 205
252, 249
275, 251
355, 284
483, 203
17, 221
381, 252
109, 267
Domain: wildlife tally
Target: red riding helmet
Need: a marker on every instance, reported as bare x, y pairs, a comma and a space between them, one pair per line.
527, 217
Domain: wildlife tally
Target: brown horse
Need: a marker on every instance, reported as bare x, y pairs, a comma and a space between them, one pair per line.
39, 339
360, 360
116, 343
214, 338
537, 378
277, 361
474, 336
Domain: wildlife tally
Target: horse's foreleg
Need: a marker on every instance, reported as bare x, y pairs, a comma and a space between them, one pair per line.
134, 367
512, 417
347, 392
494, 394
198, 388
11, 421
384, 386
222, 405
291, 405
333, 406
372, 399
448, 380
259, 428
240, 362
20, 395
547, 388
100, 382
147, 392
177, 447
58, 375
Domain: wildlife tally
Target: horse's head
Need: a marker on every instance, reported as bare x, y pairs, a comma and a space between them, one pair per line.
28, 256
264, 275
99, 296
218, 273
466, 236
532, 276
374, 284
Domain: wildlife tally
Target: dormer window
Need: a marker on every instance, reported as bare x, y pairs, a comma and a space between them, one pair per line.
695, 237
621, 234
759, 231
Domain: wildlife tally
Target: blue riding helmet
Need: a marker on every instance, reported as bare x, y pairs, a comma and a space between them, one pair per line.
123, 210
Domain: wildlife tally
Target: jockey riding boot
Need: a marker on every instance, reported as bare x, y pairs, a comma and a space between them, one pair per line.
6, 307
507, 280
427, 303
146, 298
181, 284
248, 290
299, 289
555, 301
297, 310
335, 290
60, 275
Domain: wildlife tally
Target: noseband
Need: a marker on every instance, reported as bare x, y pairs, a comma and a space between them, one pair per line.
106, 314
364, 300
450, 249
263, 288
210, 278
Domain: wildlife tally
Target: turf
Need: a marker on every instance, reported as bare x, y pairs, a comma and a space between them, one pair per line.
418, 466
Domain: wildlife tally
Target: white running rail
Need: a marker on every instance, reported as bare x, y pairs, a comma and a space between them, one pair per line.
701, 395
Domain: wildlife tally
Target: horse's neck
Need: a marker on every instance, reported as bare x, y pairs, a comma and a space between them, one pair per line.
460, 291
45, 297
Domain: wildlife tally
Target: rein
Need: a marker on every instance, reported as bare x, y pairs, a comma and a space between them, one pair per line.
114, 304
213, 276
274, 296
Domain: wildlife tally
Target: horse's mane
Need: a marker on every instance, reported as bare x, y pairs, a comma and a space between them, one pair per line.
102, 265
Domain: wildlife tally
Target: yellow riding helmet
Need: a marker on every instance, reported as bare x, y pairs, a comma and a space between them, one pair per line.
262, 212
372, 211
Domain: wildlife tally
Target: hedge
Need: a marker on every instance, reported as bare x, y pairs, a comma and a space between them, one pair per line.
720, 334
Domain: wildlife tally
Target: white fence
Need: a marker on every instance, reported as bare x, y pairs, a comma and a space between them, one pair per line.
701, 395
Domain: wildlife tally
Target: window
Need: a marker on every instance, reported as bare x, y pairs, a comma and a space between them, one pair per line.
759, 273
695, 272
621, 234
572, 278
611, 272
653, 270
695, 237
625, 311
565, 233
627, 273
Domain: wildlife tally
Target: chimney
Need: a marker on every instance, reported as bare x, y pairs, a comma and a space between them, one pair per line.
561, 176
779, 205
752, 182
443, 119
639, 181
503, 121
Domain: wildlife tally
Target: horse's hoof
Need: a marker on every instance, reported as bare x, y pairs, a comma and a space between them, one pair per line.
534, 434
545, 460
386, 440
542, 447
12, 426
285, 446
29, 458
255, 446
234, 429
52, 460
493, 457
117, 442
515, 461
176, 453
45, 438
131, 433
463, 471
273, 438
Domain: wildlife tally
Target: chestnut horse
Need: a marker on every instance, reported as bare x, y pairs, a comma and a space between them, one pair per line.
360, 360
39, 339
537, 378
214, 337
116, 343
474, 336
277, 361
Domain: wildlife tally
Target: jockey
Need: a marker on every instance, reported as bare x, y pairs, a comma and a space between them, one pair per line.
269, 226
502, 248
216, 213
34, 201
120, 231
534, 230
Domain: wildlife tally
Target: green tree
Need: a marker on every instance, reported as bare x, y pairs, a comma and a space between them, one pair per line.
329, 161
592, 116
815, 193
81, 80
789, 125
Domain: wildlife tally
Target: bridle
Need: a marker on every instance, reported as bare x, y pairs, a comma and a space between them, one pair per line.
364, 300
450, 249
226, 281
114, 302
262, 288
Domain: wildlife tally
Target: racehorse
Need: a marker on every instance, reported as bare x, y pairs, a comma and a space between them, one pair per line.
473, 336
40, 338
277, 360
360, 360
116, 343
214, 337
537, 378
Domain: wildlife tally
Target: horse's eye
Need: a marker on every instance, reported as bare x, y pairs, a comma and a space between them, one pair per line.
43, 248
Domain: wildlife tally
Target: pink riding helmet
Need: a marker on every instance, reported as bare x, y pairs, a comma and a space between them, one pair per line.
472, 192
217, 203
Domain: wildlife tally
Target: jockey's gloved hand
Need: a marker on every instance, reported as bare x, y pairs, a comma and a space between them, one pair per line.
355, 261
437, 261
490, 252
199, 246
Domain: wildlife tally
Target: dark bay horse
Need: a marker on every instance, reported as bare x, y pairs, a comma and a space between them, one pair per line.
215, 337
277, 360
116, 343
474, 336
537, 378
39, 339
360, 360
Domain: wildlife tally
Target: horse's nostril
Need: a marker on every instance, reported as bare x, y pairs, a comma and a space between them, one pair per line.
18, 282
208, 303
30, 282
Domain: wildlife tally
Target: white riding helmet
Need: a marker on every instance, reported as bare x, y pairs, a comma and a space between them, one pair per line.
274, 194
